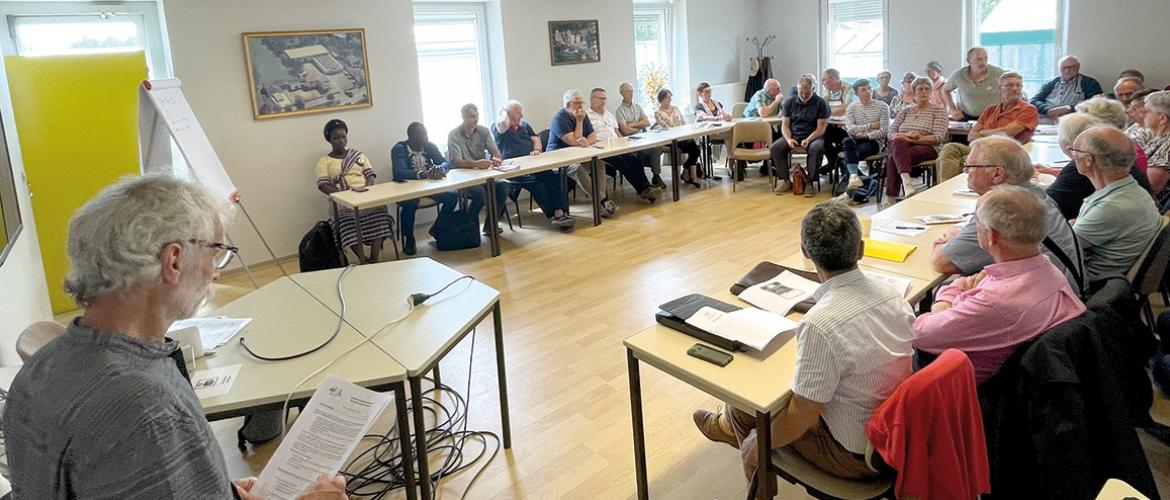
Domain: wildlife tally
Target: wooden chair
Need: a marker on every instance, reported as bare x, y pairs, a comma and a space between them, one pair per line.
36, 336
750, 133
1148, 272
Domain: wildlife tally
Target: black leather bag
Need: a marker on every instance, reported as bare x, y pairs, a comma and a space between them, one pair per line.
318, 249
456, 230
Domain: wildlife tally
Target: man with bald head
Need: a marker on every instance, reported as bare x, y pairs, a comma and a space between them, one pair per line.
1015, 298
1119, 219
766, 101
632, 119
1060, 95
994, 161
977, 84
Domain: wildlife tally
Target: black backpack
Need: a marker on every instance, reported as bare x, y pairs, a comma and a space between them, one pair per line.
868, 188
456, 230
318, 249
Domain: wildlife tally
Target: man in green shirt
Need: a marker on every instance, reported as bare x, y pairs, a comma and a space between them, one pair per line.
1119, 219
978, 86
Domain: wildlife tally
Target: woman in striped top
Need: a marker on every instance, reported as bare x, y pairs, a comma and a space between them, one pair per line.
914, 137
866, 122
343, 169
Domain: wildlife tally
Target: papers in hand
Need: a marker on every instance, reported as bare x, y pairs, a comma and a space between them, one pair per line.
324, 436
213, 331
940, 219
901, 227
780, 293
900, 285
752, 327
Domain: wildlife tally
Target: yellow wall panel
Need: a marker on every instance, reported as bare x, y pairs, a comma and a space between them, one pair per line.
77, 118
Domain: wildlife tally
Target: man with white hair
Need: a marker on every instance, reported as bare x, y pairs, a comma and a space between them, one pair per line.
1119, 219
995, 161
766, 101
1016, 298
515, 138
806, 117
632, 119
1060, 95
1125, 88
571, 127
106, 410
1011, 116
977, 84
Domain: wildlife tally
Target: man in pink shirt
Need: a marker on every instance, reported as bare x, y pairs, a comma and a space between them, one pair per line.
1017, 298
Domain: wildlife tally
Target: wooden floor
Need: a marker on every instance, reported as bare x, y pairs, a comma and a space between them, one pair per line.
568, 301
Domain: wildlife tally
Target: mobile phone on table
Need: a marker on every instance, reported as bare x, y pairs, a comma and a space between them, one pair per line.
710, 354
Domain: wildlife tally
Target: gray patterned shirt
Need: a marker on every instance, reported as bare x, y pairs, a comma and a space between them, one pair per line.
101, 415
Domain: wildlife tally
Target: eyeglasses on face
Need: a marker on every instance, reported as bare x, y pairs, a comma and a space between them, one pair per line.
223, 252
973, 166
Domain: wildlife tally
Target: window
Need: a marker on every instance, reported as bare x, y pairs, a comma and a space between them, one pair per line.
1019, 35
453, 64
66, 28
652, 52
855, 37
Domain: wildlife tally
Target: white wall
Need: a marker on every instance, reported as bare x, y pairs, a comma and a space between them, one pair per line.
272, 161
538, 84
24, 296
1108, 37
716, 32
795, 24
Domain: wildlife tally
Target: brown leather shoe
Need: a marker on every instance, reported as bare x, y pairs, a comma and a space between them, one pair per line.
715, 427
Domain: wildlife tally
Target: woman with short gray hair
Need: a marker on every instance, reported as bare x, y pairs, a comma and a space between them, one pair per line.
1157, 146
914, 137
934, 71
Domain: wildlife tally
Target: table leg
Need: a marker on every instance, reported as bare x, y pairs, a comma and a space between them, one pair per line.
493, 217
337, 232
639, 434
420, 437
596, 189
674, 169
764, 477
501, 377
437, 377
404, 440
564, 174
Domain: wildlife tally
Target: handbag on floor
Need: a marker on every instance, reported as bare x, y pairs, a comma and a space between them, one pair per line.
456, 230
798, 180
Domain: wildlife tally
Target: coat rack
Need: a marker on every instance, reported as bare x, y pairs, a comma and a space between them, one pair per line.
755, 40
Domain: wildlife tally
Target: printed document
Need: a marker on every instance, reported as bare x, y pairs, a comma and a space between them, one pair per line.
322, 439
780, 293
752, 327
214, 331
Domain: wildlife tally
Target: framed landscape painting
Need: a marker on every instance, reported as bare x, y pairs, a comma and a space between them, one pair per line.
299, 72
573, 42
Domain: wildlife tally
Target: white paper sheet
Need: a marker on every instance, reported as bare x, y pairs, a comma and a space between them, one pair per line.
901, 227
966, 192
214, 381
753, 327
940, 219
323, 437
214, 331
780, 293
899, 284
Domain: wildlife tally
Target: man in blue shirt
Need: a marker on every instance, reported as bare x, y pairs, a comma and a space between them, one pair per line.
806, 116
1060, 95
515, 138
571, 127
411, 157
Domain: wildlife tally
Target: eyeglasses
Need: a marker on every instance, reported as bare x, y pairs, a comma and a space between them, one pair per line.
971, 166
1081, 151
223, 252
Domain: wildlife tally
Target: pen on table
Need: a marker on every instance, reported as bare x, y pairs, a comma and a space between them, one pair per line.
913, 228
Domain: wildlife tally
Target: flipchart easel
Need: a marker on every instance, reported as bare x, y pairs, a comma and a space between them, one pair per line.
165, 115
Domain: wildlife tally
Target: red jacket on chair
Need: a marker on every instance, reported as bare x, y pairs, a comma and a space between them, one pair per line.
931, 431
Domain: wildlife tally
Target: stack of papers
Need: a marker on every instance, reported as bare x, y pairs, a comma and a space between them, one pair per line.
779, 294
752, 327
213, 331
888, 250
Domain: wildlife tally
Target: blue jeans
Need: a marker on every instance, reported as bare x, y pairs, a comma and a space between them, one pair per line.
546, 191
856, 150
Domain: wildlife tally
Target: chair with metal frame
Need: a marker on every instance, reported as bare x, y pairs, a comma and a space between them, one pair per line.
751, 133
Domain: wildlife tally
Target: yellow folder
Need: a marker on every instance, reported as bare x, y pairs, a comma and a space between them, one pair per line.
888, 250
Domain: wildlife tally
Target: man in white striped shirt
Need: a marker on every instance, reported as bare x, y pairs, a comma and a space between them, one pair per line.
853, 349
